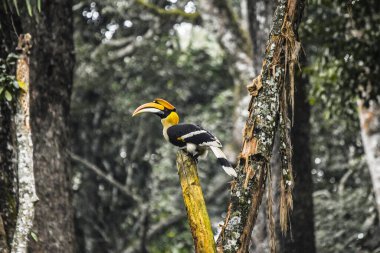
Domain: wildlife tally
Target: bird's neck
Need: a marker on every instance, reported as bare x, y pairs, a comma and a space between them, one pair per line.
170, 120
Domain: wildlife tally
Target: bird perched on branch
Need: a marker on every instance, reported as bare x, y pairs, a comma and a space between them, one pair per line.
193, 138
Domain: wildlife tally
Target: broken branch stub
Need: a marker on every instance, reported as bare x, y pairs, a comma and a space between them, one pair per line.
197, 215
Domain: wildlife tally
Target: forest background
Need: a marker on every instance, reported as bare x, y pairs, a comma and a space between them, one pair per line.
108, 183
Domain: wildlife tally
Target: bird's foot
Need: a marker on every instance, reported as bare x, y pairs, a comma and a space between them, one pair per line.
195, 156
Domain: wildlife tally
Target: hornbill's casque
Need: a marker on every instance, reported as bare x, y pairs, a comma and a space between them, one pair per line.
193, 138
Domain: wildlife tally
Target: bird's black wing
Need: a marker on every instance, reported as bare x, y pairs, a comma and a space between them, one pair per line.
181, 134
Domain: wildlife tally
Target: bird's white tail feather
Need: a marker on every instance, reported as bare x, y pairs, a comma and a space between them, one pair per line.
222, 159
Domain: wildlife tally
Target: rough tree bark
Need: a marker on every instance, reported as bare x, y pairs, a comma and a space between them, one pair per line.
259, 17
25, 170
51, 75
267, 112
370, 131
197, 215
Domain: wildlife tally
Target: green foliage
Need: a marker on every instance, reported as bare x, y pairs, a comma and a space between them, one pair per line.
34, 236
173, 241
32, 6
8, 83
342, 39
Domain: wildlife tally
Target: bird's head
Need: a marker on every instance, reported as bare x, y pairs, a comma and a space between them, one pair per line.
165, 110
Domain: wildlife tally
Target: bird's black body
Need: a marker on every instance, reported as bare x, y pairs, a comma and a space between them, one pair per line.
181, 134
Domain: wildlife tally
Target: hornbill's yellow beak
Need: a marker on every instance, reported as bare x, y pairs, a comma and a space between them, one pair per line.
159, 106
149, 107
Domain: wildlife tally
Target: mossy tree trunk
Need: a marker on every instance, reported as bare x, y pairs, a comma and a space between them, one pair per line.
25, 169
197, 215
268, 111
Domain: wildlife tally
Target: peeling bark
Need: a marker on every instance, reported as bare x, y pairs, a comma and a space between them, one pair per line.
370, 131
25, 172
265, 110
197, 215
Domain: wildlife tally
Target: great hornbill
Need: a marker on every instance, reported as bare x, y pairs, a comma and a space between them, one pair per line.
195, 139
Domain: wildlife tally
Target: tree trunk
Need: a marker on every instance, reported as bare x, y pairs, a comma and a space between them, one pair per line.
370, 131
8, 187
25, 170
51, 78
302, 237
267, 112
259, 20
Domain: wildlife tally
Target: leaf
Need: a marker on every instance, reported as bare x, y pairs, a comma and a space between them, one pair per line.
11, 57
15, 84
312, 101
29, 7
16, 6
1, 89
34, 236
8, 96
5, 8
39, 5
23, 86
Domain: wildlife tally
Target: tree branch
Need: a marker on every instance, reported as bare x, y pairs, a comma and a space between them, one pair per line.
109, 179
25, 172
177, 13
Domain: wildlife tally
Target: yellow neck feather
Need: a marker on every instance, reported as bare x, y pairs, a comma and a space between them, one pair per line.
170, 120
